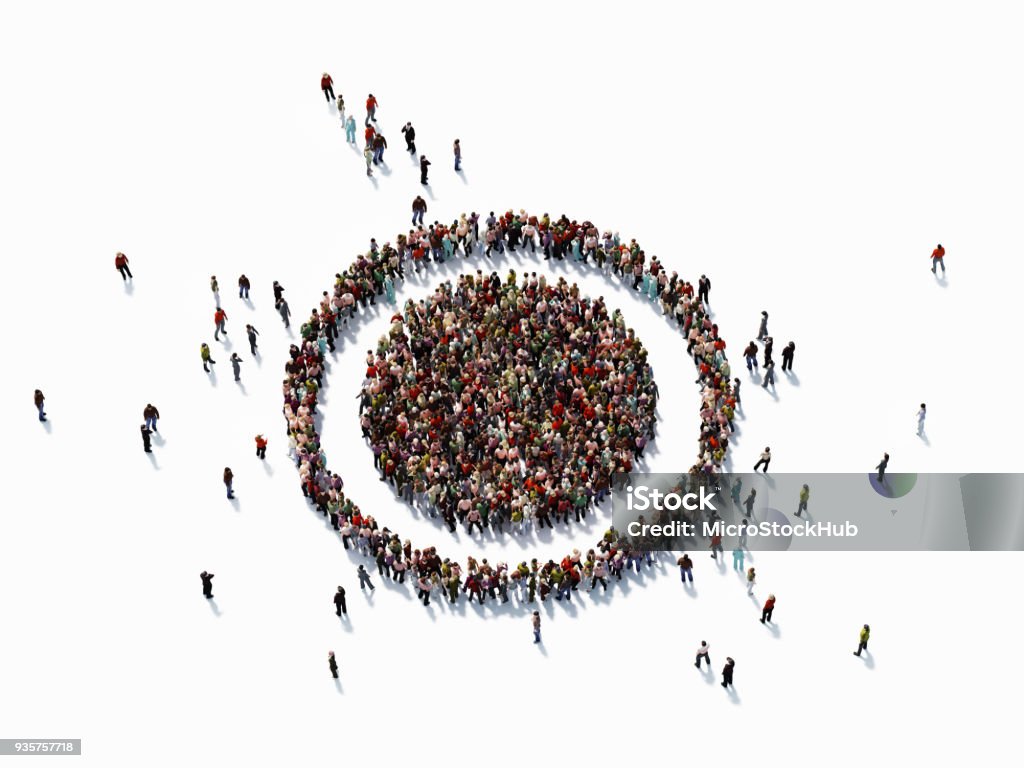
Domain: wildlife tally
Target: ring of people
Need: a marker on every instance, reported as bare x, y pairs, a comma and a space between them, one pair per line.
501, 404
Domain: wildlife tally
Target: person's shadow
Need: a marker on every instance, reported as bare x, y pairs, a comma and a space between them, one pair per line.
48, 426
267, 468
869, 660
241, 386
793, 378
129, 287
214, 607
337, 685
152, 460
461, 173
235, 504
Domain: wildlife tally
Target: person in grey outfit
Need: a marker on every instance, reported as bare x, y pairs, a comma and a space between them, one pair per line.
282, 307
236, 365
762, 332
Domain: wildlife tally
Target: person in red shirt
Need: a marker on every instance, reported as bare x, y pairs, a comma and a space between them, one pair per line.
937, 261
261, 447
769, 606
327, 86
121, 264
371, 109
219, 317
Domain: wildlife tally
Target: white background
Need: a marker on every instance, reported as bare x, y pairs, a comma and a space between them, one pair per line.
806, 156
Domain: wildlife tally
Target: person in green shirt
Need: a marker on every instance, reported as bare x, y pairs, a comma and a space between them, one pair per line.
864, 635
805, 494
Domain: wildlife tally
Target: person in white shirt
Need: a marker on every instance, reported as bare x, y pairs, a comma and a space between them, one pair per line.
702, 653
920, 419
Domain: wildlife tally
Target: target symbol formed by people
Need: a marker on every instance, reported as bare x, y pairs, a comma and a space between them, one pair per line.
500, 404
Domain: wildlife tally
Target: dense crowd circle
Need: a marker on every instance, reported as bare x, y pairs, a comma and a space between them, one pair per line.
375, 273
494, 404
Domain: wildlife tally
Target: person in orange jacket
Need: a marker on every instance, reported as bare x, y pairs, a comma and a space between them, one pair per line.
261, 447
937, 256
327, 86
371, 109
219, 317
121, 265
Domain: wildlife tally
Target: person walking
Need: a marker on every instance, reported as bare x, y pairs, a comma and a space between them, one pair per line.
121, 265
769, 345
751, 580
340, 104
350, 130
236, 366
920, 419
787, 356
368, 157
204, 353
261, 447
762, 331
339, 602
535, 621
278, 292
243, 287
419, 207
146, 436
39, 400
220, 317
457, 151
424, 164
737, 559
327, 86
229, 478
727, 671
769, 606
937, 259
769, 375
749, 502
702, 653
805, 494
371, 109
685, 568
150, 415
750, 355
410, 137
251, 333
215, 289
881, 468
765, 460
284, 311
704, 289
364, 578
423, 587
865, 633
207, 579
379, 145
716, 547
332, 664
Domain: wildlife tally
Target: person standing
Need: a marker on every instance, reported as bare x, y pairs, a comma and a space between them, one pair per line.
769, 606
716, 547
379, 145
424, 164
410, 137
750, 355
769, 345
350, 130
787, 356
751, 580
536, 627
765, 460
371, 109
457, 151
327, 86
737, 559
207, 579
368, 157
419, 207
702, 653
881, 468
685, 568
749, 502
332, 664
150, 414
261, 447
215, 289
38, 400
704, 289
920, 419
121, 265
219, 319
805, 494
339, 602
251, 333
863, 645
762, 331
769, 374
204, 353
341, 109
243, 287
937, 259
278, 292
727, 671
236, 366
229, 478
146, 435
364, 578
284, 311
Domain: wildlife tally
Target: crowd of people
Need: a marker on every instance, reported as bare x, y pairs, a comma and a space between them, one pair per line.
488, 334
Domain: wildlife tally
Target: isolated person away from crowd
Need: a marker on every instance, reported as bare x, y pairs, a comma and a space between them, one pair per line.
765, 460
702, 653
121, 265
284, 311
424, 165
207, 579
261, 447
535, 621
419, 207
457, 151
150, 414
204, 353
332, 664
787, 356
229, 478
727, 671
410, 137
769, 606
327, 86
938, 259
146, 436
805, 494
881, 467
215, 288
236, 366
685, 568
339, 602
865, 633
243, 287
921, 414
38, 400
